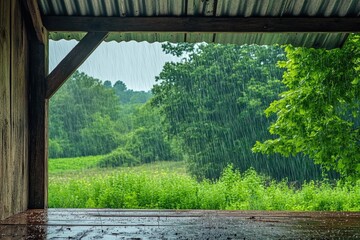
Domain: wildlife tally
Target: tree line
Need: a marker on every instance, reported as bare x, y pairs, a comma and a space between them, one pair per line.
277, 110
91, 117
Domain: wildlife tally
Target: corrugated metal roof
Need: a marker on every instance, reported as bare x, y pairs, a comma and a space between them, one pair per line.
220, 8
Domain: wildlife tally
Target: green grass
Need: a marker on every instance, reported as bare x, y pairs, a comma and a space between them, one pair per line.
165, 185
74, 168
66, 165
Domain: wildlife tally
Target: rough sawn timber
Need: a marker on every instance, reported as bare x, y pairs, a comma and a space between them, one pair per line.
171, 224
202, 24
13, 109
73, 60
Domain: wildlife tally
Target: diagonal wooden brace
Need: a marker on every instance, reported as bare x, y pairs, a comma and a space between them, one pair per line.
72, 61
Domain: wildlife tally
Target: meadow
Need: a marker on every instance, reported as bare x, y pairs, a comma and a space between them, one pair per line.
79, 183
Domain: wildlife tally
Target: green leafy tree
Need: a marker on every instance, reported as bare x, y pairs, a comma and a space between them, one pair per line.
140, 97
80, 106
148, 141
129, 96
318, 115
100, 136
87, 118
147, 145
107, 84
213, 103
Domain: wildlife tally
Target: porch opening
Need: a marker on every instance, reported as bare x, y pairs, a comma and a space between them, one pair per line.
181, 126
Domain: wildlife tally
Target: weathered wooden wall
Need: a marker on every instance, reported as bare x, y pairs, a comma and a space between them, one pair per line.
13, 109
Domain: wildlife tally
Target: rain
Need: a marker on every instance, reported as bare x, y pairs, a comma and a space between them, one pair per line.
182, 126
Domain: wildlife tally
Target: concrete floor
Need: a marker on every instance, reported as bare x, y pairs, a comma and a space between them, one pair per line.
192, 224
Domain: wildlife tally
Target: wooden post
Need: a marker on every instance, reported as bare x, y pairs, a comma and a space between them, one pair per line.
38, 123
5, 78
34, 11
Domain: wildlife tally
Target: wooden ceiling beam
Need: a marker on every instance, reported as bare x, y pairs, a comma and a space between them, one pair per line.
202, 24
34, 11
73, 60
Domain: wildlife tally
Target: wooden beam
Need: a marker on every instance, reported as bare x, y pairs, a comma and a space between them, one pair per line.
73, 60
5, 120
34, 11
38, 123
202, 24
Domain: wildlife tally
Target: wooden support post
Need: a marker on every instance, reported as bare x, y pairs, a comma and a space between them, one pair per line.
38, 123
73, 60
34, 11
5, 79
40, 89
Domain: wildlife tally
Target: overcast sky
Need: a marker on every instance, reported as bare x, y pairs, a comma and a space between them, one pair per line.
136, 64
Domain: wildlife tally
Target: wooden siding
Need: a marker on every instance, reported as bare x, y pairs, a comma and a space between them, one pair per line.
13, 109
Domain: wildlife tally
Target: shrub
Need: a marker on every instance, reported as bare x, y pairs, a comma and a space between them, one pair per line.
55, 148
118, 157
148, 145
160, 189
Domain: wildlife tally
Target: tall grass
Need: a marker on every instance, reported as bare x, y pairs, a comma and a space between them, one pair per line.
141, 188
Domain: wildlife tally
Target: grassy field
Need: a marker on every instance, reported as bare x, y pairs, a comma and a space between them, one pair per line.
79, 167
79, 183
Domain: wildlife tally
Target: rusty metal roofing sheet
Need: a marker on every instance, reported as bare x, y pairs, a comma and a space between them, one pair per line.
220, 8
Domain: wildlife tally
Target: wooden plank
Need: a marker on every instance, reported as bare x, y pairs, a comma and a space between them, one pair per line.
5, 56
38, 120
19, 110
201, 24
34, 11
73, 60
180, 224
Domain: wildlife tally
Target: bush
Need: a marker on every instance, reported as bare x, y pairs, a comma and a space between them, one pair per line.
118, 157
148, 145
55, 148
136, 188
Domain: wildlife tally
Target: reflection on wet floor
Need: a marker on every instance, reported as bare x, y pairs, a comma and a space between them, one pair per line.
152, 224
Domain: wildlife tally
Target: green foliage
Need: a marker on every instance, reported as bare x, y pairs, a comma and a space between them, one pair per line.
148, 145
128, 96
83, 115
147, 141
178, 49
63, 165
118, 157
318, 115
100, 136
89, 165
212, 104
160, 188
91, 118
56, 147
208, 109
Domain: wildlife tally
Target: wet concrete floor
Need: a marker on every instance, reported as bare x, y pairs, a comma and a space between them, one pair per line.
192, 224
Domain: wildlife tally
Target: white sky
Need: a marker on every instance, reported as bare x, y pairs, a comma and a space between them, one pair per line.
136, 64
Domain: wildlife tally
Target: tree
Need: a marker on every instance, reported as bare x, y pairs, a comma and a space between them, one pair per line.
99, 136
87, 118
213, 102
127, 96
107, 84
148, 141
79, 106
318, 115
119, 87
